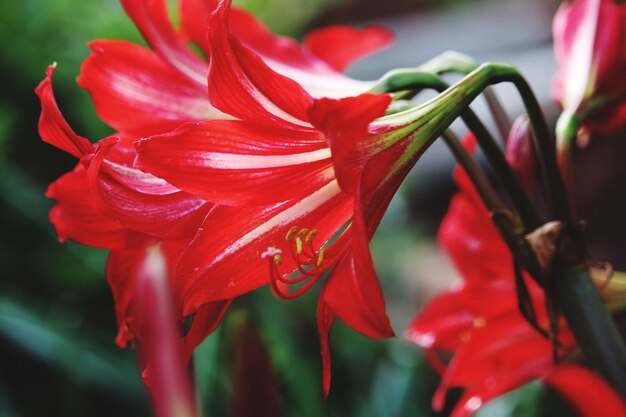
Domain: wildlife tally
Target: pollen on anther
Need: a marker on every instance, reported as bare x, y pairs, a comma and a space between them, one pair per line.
298, 245
309, 238
479, 322
290, 233
320, 257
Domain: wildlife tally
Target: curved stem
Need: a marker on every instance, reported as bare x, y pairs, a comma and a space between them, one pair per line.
458, 63
579, 300
566, 130
543, 140
407, 79
478, 178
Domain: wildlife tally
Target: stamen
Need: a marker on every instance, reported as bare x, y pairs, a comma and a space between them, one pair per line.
290, 233
309, 263
309, 237
320, 257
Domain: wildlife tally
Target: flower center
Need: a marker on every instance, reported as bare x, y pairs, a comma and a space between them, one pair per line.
310, 263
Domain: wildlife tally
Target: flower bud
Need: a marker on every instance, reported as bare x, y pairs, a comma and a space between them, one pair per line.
520, 152
589, 38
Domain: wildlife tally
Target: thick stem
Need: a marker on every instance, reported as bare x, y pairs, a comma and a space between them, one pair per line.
588, 318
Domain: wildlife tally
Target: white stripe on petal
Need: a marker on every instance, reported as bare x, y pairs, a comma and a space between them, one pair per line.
219, 160
287, 216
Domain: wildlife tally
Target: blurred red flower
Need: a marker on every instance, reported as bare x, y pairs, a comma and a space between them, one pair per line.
590, 50
492, 346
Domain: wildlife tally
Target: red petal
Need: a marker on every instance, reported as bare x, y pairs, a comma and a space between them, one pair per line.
470, 239
234, 162
142, 201
345, 123
287, 57
586, 391
590, 52
152, 19
135, 91
122, 270
242, 85
442, 323
204, 322
352, 291
194, 16
340, 46
325, 320
283, 54
476, 396
77, 217
512, 349
256, 36
53, 128
224, 260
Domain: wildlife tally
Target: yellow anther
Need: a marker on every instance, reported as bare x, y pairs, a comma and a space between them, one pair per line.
298, 245
479, 322
310, 237
320, 257
302, 232
290, 233
278, 260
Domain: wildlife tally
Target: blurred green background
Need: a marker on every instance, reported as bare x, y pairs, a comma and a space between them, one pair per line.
57, 356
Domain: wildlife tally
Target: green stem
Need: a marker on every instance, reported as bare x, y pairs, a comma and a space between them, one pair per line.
566, 131
578, 298
503, 123
458, 63
592, 325
543, 140
478, 178
407, 79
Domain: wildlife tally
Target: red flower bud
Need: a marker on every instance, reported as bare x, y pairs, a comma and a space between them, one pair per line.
520, 152
590, 49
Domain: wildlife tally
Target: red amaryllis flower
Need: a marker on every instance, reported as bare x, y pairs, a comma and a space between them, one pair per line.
494, 349
292, 171
590, 49
107, 203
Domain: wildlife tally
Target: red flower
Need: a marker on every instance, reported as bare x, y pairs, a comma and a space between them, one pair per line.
108, 202
590, 49
290, 172
494, 349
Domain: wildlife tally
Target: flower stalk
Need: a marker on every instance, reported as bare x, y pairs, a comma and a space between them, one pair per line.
399, 80
577, 297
